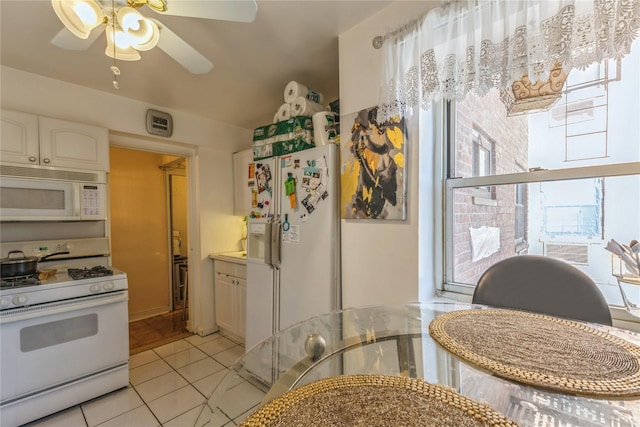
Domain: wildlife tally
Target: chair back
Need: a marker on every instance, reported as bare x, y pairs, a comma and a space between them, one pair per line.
543, 285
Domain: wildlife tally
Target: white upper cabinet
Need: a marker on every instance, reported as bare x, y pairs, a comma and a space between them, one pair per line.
73, 145
19, 137
37, 140
241, 193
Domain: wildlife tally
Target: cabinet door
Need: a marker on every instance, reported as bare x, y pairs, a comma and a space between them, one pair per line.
19, 137
241, 193
73, 145
241, 303
225, 304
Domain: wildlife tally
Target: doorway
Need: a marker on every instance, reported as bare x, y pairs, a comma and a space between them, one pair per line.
141, 227
176, 184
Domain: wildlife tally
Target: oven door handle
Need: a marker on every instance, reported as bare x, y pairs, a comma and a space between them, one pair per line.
61, 307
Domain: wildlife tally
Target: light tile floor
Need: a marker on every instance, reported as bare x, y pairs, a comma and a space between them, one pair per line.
167, 387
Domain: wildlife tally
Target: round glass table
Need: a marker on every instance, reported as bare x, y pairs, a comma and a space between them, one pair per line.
395, 340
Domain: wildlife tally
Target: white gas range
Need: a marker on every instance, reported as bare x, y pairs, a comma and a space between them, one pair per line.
61, 287
64, 338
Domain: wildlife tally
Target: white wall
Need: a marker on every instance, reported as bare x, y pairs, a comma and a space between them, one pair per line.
32, 93
379, 258
213, 227
219, 229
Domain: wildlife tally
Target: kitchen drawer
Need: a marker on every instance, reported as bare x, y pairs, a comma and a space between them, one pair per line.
230, 268
241, 271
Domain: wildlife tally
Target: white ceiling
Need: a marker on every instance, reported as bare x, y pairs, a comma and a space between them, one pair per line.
253, 62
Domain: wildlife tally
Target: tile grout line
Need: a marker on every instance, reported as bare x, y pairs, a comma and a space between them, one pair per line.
163, 358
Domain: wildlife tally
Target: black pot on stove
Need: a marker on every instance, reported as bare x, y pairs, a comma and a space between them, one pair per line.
16, 266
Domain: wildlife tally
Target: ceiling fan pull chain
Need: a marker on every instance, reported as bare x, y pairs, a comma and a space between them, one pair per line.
116, 73
114, 68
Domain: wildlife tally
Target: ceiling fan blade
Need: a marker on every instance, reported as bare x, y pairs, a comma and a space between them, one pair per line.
182, 52
67, 40
224, 10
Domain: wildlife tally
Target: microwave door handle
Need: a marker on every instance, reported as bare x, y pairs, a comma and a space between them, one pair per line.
76, 200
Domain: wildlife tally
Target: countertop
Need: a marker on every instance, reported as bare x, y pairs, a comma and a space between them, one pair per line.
239, 257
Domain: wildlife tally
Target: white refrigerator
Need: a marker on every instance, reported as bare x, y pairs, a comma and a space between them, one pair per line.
293, 240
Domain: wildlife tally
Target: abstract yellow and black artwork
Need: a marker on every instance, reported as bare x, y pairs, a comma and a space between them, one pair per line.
373, 158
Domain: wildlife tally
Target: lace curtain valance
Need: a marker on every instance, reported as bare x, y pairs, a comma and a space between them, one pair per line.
476, 45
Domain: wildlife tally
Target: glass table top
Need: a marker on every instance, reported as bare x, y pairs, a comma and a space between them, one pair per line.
395, 340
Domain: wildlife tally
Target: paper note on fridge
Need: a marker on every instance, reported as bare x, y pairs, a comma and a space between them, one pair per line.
292, 235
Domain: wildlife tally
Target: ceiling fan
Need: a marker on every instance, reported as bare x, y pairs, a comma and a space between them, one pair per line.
128, 31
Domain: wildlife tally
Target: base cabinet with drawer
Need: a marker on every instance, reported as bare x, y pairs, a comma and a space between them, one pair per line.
230, 290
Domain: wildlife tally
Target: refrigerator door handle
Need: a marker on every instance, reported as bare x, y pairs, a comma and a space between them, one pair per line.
276, 227
267, 243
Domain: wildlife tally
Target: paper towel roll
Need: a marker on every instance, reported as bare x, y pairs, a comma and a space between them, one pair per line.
284, 112
301, 106
324, 131
295, 89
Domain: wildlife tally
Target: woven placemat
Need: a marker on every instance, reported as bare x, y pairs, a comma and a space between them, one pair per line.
542, 350
372, 401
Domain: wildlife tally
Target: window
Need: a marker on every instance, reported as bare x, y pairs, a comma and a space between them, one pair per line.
560, 183
481, 158
571, 208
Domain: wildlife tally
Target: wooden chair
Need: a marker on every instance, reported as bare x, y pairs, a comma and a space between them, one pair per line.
543, 285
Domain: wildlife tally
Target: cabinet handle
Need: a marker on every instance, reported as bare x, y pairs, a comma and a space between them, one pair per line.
47, 161
32, 159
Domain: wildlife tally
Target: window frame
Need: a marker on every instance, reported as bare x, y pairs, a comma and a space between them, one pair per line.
448, 286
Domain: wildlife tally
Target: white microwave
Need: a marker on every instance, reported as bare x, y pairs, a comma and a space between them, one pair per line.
33, 194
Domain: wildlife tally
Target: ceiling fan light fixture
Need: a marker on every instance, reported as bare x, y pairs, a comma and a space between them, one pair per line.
157, 5
118, 46
79, 16
143, 34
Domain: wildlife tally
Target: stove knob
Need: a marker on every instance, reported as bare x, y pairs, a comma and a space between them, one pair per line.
20, 300
95, 288
108, 286
5, 302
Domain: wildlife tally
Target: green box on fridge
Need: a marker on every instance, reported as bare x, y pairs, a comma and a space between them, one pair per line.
280, 138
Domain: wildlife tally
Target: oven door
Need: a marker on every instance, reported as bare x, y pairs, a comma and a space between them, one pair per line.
53, 344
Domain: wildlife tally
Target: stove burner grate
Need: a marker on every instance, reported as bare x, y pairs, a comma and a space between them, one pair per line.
19, 281
85, 273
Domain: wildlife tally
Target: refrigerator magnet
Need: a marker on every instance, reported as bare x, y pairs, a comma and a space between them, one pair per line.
290, 190
306, 202
261, 179
286, 162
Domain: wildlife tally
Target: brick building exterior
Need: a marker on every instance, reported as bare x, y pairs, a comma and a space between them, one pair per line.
503, 141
